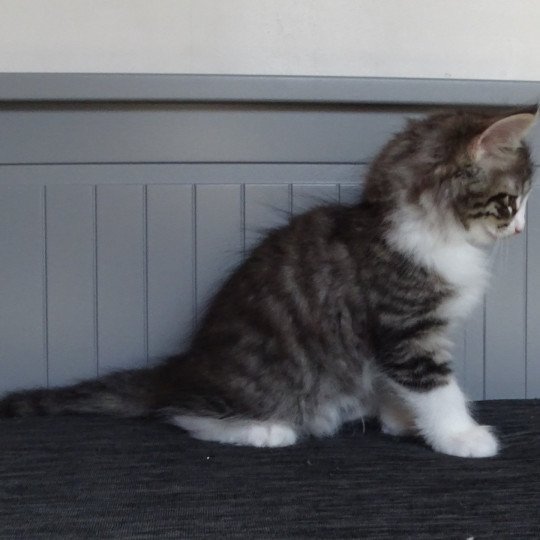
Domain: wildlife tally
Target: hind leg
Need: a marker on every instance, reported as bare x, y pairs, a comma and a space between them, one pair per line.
395, 418
240, 432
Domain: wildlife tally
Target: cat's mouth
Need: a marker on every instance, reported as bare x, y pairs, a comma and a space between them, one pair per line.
499, 234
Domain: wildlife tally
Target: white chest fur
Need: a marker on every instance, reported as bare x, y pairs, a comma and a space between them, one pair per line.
462, 265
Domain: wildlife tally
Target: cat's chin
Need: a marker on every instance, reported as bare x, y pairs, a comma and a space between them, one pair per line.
483, 237
483, 242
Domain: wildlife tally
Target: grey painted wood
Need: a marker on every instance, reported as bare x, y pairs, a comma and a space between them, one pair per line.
505, 369
350, 193
121, 277
197, 133
222, 88
23, 346
459, 354
308, 196
194, 133
171, 251
266, 206
219, 237
184, 189
122, 261
473, 366
182, 173
533, 294
71, 306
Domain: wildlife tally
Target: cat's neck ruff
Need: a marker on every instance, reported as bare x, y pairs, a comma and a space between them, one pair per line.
444, 249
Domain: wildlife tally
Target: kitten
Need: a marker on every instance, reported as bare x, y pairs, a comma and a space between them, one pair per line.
345, 312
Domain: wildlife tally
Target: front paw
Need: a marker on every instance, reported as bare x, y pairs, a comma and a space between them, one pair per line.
476, 441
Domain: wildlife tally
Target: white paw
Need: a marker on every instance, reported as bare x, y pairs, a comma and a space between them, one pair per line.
271, 435
476, 441
243, 432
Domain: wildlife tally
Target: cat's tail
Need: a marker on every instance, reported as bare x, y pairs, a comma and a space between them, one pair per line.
126, 394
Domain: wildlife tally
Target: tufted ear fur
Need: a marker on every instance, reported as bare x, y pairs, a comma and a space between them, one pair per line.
503, 135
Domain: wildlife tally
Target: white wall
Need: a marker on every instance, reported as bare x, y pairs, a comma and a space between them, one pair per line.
479, 39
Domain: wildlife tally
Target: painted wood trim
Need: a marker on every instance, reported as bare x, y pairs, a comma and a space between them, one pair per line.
254, 88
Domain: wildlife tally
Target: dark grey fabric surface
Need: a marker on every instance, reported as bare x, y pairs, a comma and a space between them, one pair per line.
103, 478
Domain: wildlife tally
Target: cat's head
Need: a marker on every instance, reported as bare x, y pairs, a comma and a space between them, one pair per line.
469, 172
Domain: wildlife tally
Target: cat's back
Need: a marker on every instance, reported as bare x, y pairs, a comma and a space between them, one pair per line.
318, 233
304, 268
313, 246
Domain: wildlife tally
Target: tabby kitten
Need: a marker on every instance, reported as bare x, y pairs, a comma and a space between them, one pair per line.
345, 312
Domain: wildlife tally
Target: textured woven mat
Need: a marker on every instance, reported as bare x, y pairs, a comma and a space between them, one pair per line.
102, 478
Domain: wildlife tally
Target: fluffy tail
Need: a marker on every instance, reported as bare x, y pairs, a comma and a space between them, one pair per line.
127, 394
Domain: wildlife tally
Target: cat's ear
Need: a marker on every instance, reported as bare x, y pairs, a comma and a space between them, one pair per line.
505, 134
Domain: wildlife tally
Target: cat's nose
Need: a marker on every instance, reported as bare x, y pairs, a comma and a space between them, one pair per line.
519, 227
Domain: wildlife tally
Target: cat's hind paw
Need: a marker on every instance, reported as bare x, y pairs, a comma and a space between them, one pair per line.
396, 429
476, 442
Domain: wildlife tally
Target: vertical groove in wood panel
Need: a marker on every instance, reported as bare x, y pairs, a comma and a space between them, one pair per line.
170, 269
291, 202
45, 295
95, 275
145, 269
243, 218
194, 251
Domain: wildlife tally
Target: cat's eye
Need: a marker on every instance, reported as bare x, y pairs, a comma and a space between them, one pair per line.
506, 205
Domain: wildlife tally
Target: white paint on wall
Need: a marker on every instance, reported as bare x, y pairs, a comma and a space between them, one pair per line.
481, 39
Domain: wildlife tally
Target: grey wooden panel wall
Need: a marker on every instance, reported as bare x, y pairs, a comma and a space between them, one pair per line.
117, 222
